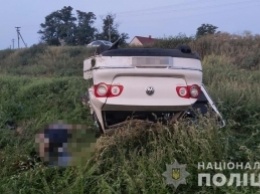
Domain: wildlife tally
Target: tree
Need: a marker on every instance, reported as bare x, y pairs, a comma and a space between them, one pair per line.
206, 29
62, 27
85, 32
67, 27
59, 26
110, 30
50, 29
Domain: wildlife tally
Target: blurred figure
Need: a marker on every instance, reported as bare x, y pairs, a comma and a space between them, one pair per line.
53, 144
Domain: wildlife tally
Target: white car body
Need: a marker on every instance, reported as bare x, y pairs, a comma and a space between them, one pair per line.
144, 81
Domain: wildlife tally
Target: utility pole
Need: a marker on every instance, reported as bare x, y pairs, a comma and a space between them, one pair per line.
20, 36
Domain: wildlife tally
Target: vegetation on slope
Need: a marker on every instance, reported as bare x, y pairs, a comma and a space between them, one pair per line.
42, 84
42, 60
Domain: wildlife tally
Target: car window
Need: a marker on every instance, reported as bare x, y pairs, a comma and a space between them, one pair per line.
107, 43
96, 43
100, 42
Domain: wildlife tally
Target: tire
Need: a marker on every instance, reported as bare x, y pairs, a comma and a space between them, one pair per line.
184, 48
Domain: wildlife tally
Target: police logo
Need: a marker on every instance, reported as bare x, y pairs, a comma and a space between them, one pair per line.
150, 91
175, 174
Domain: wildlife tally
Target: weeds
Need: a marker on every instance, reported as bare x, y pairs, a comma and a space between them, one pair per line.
42, 84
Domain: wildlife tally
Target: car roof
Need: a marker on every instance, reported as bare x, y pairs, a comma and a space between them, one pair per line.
149, 52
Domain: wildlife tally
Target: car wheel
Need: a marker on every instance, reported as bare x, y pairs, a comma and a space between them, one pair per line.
184, 48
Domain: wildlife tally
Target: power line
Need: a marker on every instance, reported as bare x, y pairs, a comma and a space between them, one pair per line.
154, 8
217, 12
167, 10
188, 14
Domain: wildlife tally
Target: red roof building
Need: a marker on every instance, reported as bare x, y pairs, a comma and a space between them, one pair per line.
142, 41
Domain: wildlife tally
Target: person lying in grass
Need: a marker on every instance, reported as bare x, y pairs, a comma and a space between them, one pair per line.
53, 144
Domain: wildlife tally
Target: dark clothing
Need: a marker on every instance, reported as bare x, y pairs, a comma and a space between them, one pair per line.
57, 135
57, 139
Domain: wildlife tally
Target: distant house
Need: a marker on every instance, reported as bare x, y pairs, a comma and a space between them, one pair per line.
142, 41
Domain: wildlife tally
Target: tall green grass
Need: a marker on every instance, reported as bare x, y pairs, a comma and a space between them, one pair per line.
41, 60
43, 84
243, 51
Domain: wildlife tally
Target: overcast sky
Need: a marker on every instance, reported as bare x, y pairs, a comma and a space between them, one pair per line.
136, 17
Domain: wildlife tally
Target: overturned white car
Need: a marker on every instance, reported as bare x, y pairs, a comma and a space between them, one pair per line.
145, 83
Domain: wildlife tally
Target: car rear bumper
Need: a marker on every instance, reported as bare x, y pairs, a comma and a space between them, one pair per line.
109, 107
109, 115
113, 118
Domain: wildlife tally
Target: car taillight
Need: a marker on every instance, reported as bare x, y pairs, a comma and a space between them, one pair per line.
116, 90
182, 91
194, 91
107, 90
191, 91
101, 90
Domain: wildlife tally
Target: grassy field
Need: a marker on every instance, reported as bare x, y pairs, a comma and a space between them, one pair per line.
43, 84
